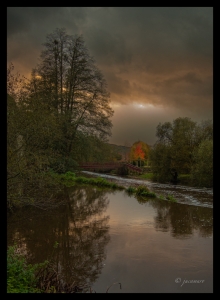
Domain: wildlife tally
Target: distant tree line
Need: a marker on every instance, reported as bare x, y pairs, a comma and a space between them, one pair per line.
57, 119
183, 147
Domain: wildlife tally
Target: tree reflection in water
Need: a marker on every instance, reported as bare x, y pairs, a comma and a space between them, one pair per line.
80, 228
181, 219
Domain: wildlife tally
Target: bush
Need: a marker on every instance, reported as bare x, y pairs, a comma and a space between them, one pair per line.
20, 276
148, 176
171, 198
202, 169
141, 189
62, 165
184, 178
131, 190
144, 191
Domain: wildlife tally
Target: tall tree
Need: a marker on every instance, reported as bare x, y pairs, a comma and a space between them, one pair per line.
174, 151
202, 169
73, 88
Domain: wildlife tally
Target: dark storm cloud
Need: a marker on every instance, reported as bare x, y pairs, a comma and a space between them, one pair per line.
161, 56
24, 19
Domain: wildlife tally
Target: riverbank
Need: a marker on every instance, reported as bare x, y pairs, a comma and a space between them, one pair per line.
182, 193
116, 179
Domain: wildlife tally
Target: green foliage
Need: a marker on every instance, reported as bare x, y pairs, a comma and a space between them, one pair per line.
90, 148
61, 116
171, 198
131, 190
21, 276
101, 182
69, 179
149, 194
160, 162
202, 169
62, 165
144, 191
177, 151
185, 179
148, 176
141, 189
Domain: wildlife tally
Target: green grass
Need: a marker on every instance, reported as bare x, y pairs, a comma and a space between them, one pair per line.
168, 197
148, 176
101, 182
184, 178
141, 190
171, 198
144, 191
69, 179
131, 190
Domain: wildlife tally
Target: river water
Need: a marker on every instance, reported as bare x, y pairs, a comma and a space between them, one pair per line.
109, 241
183, 194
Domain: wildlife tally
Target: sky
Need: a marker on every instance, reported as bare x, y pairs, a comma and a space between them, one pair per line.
157, 61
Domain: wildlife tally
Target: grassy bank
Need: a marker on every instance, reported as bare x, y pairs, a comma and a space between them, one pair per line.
70, 178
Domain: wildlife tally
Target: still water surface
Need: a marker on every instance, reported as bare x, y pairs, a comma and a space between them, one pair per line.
108, 237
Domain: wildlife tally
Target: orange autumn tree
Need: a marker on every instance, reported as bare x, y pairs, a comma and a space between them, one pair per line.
139, 151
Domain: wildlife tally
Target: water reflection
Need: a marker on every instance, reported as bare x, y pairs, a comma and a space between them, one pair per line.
80, 228
181, 220
105, 236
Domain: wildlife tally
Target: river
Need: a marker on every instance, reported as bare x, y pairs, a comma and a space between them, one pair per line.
110, 241
183, 194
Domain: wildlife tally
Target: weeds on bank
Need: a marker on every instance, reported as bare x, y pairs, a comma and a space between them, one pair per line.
70, 178
141, 190
171, 198
131, 190
168, 197
101, 182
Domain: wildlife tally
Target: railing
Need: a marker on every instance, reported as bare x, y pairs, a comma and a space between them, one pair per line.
132, 167
109, 166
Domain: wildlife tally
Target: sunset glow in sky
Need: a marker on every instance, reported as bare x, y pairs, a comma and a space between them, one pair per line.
157, 61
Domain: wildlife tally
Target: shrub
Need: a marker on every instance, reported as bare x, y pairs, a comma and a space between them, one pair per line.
20, 276
144, 191
131, 190
141, 189
148, 176
171, 198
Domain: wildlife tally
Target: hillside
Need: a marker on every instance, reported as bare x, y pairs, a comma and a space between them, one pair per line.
121, 150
